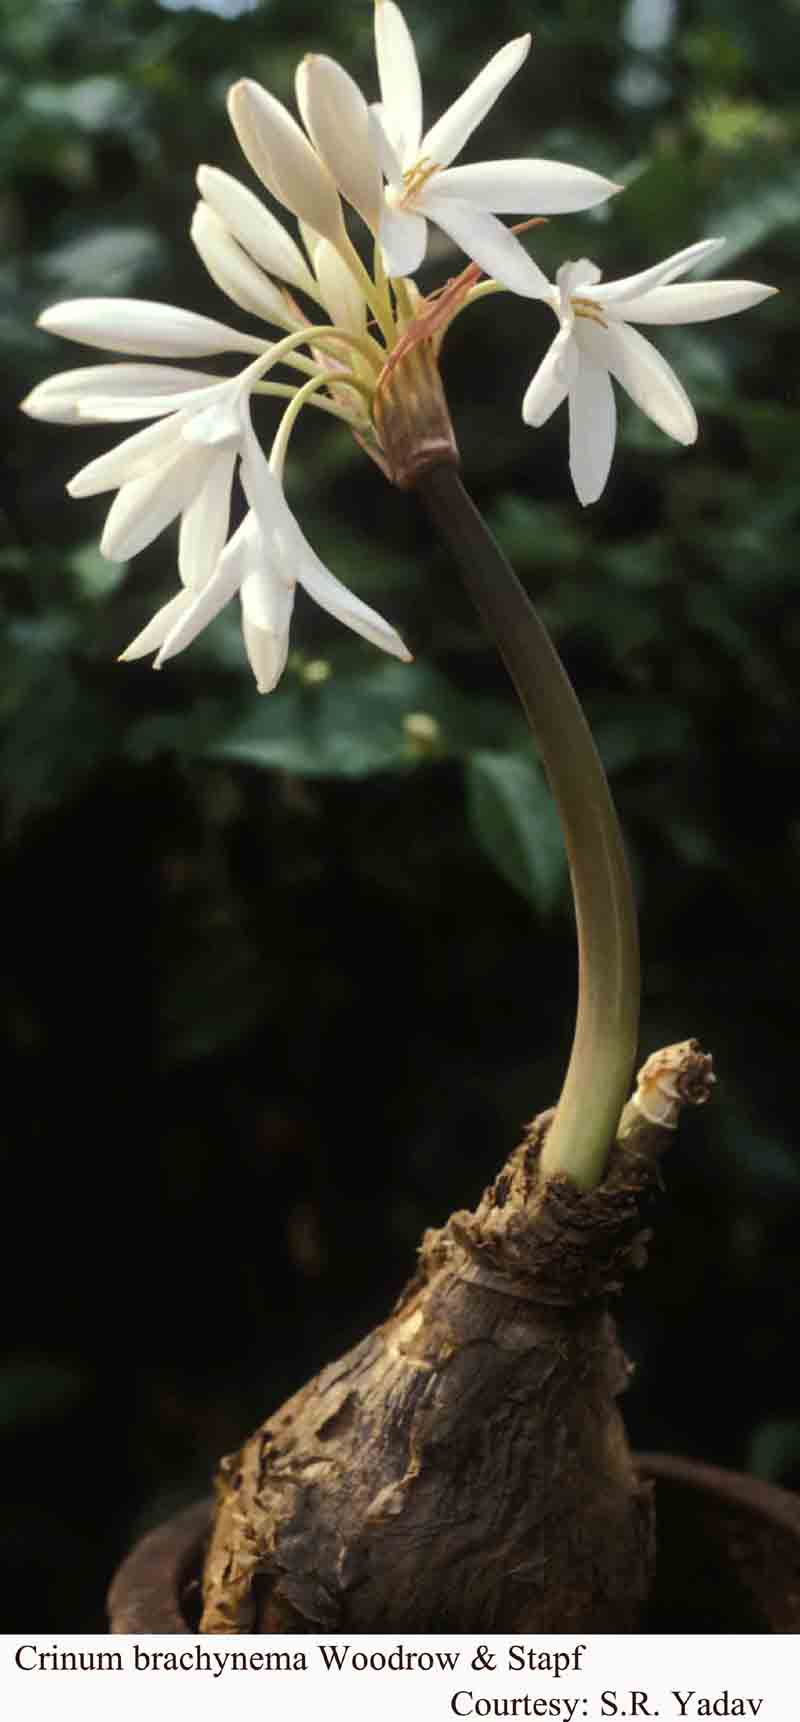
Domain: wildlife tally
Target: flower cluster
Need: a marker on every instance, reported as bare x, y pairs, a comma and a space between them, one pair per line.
343, 329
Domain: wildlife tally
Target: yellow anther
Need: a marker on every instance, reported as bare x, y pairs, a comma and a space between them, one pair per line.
415, 177
588, 308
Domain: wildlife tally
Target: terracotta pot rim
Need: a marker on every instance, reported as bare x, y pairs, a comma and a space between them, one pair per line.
146, 1595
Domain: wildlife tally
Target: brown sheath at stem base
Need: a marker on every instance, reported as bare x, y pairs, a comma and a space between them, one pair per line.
465, 1467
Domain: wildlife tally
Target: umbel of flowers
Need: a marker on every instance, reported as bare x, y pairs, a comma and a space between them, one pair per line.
337, 333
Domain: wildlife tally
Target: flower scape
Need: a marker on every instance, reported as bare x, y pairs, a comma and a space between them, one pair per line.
340, 331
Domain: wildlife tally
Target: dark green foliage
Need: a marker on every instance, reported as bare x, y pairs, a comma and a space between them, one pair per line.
283, 976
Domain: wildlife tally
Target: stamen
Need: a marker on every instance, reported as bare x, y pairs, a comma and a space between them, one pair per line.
415, 177
588, 308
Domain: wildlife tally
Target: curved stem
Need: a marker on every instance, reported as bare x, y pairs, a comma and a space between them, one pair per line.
606, 1028
304, 397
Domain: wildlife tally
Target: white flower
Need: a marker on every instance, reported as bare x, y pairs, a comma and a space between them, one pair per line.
266, 558
183, 464
596, 343
463, 201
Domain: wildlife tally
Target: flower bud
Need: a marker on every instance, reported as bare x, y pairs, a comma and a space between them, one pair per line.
281, 155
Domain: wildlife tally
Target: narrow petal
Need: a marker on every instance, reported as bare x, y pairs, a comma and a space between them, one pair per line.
444, 140
206, 603
549, 386
261, 487
404, 239
280, 153
592, 430
267, 605
62, 399
298, 562
144, 506
390, 161
489, 243
123, 409
204, 524
696, 302
398, 74
143, 326
146, 451
256, 228
526, 187
235, 273
340, 293
646, 376
633, 286
157, 629
222, 421
332, 596
311, 239
575, 278
336, 117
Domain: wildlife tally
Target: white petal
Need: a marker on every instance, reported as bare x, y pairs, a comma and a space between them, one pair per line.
332, 596
646, 376
222, 421
204, 524
281, 155
336, 117
267, 605
205, 604
144, 326
298, 562
489, 243
526, 187
404, 239
62, 399
236, 274
144, 506
256, 228
695, 302
146, 451
444, 140
632, 286
549, 386
339, 291
262, 489
592, 429
390, 161
157, 629
398, 73
311, 239
110, 409
575, 278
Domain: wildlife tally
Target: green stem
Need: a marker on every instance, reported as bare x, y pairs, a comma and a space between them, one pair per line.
603, 1054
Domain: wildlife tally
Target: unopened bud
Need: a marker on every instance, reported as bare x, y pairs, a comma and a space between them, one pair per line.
315, 672
422, 731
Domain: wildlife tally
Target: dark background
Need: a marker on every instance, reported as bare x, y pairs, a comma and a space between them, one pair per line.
281, 983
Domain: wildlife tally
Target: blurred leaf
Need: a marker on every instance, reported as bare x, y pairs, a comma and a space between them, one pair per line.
537, 534
116, 256
95, 577
639, 728
774, 1449
355, 724
748, 220
515, 821
91, 104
